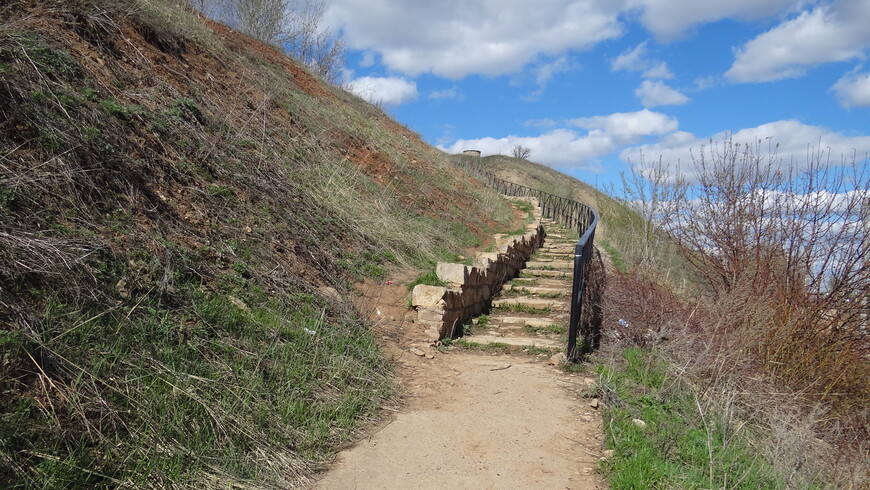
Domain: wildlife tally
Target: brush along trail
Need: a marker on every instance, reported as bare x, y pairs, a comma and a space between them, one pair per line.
491, 410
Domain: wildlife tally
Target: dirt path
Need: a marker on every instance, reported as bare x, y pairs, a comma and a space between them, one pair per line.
481, 421
471, 419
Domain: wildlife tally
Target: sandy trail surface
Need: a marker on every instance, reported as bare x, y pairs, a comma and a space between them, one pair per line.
475, 420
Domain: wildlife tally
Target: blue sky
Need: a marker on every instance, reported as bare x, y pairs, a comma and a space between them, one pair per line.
589, 84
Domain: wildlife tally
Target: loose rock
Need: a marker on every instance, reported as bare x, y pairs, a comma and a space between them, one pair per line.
417, 352
640, 423
558, 359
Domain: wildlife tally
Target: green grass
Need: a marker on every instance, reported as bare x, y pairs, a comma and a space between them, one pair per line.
685, 444
615, 256
218, 378
429, 278
502, 348
521, 308
524, 282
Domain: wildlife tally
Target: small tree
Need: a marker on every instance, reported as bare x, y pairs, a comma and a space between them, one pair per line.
293, 25
263, 19
520, 151
306, 39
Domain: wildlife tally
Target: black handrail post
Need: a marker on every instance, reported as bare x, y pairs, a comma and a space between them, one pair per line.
576, 300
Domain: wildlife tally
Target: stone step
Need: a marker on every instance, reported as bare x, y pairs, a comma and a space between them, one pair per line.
559, 244
498, 321
531, 302
546, 343
552, 258
562, 254
533, 273
556, 264
555, 283
539, 290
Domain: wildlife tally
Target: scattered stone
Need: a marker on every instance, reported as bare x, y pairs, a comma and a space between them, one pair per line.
594, 403
558, 359
123, 288
330, 293
640, 423
430, 355
417, 352
238, 303
607, 454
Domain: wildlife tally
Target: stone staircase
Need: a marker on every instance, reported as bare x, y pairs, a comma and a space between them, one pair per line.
533, 309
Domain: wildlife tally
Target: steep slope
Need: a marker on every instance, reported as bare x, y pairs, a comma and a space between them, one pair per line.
183, 212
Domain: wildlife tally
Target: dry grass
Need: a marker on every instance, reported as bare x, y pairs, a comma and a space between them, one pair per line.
812, 432
173, 198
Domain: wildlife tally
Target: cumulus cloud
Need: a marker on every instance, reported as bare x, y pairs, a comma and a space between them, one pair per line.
388, 91
628, 126
637, 59
454, 39
670, 19
657, 93
853, 90
540, 123
451, 93
790, 140
827, 33
569, 147
546, 71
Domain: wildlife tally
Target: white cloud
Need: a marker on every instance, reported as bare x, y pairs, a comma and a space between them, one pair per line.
790, 140
540, 123
451, 93
828, 33
565, 147
368, 59
453, 39
389, 91
657, 93
853, 90
628, 126
670, 19
545, 72
703, 83
636, 60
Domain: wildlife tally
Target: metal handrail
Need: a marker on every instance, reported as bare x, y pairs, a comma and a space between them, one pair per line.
573, 215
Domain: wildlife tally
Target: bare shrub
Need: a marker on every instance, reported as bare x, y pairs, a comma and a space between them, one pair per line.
293, 25
520, 151
782, 249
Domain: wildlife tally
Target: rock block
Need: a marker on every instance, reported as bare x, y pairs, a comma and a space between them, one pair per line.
427, 296
452, 273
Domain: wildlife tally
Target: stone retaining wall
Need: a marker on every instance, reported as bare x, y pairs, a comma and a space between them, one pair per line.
470, 288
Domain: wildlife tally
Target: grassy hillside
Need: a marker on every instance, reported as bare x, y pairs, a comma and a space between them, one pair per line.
179, 205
